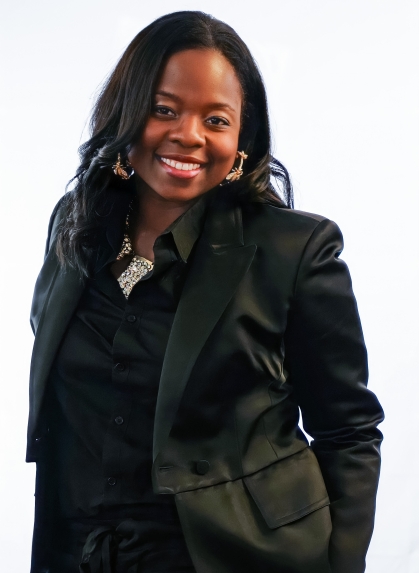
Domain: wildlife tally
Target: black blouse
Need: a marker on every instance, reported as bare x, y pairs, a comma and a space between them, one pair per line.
104, 385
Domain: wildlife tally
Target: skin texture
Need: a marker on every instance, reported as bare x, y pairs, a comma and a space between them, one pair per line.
195, 119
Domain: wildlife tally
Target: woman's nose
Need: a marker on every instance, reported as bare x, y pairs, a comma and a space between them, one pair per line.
188, 132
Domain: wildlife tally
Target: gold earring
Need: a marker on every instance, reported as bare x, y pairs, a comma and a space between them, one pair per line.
237, 172
120, 169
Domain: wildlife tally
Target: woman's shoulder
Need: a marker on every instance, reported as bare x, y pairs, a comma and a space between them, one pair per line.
58, 209
56, 215
288, 236
274, 221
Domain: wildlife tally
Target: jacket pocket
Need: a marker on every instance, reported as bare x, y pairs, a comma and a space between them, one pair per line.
288, 489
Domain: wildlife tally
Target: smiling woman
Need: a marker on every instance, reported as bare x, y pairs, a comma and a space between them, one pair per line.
190, 140
190, 79
183, 315
198, 108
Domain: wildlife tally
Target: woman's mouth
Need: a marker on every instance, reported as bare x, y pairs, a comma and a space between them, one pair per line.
181, 169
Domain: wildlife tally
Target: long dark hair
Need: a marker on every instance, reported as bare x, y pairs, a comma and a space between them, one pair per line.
121, 112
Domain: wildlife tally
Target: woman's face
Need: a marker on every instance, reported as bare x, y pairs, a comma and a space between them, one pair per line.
190, 140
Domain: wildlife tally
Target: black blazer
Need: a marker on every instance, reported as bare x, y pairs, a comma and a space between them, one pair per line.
267, 323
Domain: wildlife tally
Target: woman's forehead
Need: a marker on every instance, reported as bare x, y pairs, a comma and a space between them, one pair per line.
206, 74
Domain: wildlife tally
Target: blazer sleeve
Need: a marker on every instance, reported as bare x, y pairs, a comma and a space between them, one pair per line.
326, 360
51, 234
53, 226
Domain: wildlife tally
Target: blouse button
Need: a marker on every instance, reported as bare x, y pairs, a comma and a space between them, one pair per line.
111, 481
120, 367
119, 420
131, 318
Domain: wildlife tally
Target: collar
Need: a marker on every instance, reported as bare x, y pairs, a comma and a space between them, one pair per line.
216, 212
186, 229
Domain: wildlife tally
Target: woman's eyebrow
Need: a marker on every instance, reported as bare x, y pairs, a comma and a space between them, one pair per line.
168, 94
212, 105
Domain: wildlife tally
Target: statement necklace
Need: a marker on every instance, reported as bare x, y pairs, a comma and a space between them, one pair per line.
138, 267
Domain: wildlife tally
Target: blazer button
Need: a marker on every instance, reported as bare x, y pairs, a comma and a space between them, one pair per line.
202, 467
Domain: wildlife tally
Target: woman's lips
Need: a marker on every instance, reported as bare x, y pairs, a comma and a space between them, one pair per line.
182, 170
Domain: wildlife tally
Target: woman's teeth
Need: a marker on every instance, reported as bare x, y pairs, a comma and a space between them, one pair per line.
182, 166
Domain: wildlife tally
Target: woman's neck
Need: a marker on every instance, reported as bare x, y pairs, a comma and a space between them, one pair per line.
152, 215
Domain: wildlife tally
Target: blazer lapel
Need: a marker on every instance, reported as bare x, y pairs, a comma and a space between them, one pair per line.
219, 263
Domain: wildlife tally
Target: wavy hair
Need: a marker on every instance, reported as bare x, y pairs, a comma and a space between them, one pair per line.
123, 108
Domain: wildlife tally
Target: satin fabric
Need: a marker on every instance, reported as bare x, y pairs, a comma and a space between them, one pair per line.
267, 323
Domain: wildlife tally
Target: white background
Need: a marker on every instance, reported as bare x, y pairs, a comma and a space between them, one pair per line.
343, 86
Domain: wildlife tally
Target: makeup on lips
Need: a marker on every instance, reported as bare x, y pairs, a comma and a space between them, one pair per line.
184, 169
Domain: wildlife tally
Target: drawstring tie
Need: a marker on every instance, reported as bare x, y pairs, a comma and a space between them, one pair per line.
103, 544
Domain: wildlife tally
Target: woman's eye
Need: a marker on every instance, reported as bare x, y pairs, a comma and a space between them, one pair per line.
163, 110
217, 121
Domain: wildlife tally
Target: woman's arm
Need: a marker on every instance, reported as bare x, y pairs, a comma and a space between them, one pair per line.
327, 362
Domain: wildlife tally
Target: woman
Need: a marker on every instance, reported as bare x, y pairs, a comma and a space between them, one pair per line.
183, 315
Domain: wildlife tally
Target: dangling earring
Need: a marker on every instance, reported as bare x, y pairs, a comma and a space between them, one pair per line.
237, 172
120, 169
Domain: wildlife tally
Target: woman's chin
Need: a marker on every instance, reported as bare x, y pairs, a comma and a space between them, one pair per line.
176, 190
